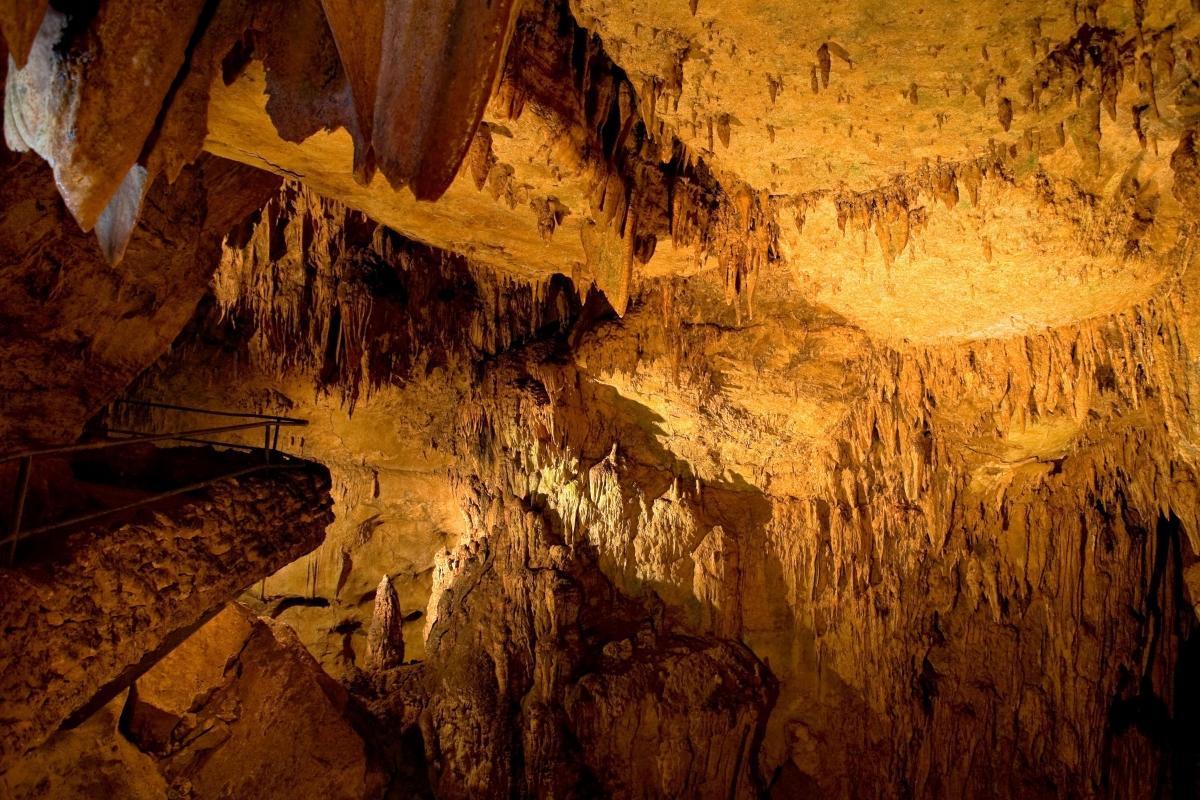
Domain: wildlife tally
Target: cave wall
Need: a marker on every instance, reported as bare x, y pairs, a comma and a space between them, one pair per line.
587, 693
76, 329
845, 361
102, 601
971, 557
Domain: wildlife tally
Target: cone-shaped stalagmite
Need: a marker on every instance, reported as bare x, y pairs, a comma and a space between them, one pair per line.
385, 640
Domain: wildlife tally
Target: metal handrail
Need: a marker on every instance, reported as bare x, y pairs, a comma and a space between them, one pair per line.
136, 438
190, 409
269, 423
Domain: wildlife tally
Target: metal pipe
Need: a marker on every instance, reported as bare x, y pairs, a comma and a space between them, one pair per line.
193, 440
19, 506
173, 407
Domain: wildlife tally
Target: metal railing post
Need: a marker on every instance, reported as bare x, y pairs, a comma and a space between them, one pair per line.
22, 489
269, 423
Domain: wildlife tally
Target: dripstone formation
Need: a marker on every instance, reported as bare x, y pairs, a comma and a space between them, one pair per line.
714, 398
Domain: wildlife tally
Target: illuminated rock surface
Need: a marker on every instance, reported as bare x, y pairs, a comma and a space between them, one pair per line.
720, 398
85, 614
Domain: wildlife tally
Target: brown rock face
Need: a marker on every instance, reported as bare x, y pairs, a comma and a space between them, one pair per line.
542, 681
84, 619
241, 709
91, 760
443, 57
88, 99
738, 398
930, 552
77, 330
19, 23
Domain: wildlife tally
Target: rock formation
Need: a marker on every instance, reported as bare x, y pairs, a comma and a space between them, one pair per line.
588, 693
80, 625
736, 399
238, 709
385, 638
77, 330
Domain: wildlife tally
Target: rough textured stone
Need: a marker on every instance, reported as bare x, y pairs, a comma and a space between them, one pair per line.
847, 351
890, 527
541, 681
241, 709
77, 330
19, 23
113, 596
89, 97
90, 760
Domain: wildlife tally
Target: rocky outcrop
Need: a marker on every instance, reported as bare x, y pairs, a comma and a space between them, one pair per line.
90, 760
113, 96
670, 149
77, 330
239, 709
543, 681
322, 302
82, 622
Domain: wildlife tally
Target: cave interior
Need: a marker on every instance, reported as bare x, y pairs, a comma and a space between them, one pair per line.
577, 399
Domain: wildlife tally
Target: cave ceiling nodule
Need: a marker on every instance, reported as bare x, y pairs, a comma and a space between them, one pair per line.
701, 398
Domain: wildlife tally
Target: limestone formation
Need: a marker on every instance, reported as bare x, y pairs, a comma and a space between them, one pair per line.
77, 330
738, 399
600, 697
385, 639
80, 625
240, 709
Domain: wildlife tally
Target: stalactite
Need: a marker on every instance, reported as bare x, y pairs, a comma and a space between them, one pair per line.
327, 292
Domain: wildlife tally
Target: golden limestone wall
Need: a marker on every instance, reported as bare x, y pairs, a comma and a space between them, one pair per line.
966, 564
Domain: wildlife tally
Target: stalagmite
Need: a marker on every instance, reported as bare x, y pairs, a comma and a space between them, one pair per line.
385, 640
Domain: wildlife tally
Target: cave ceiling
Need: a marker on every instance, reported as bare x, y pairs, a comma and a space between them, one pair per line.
908, 155
818, 378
